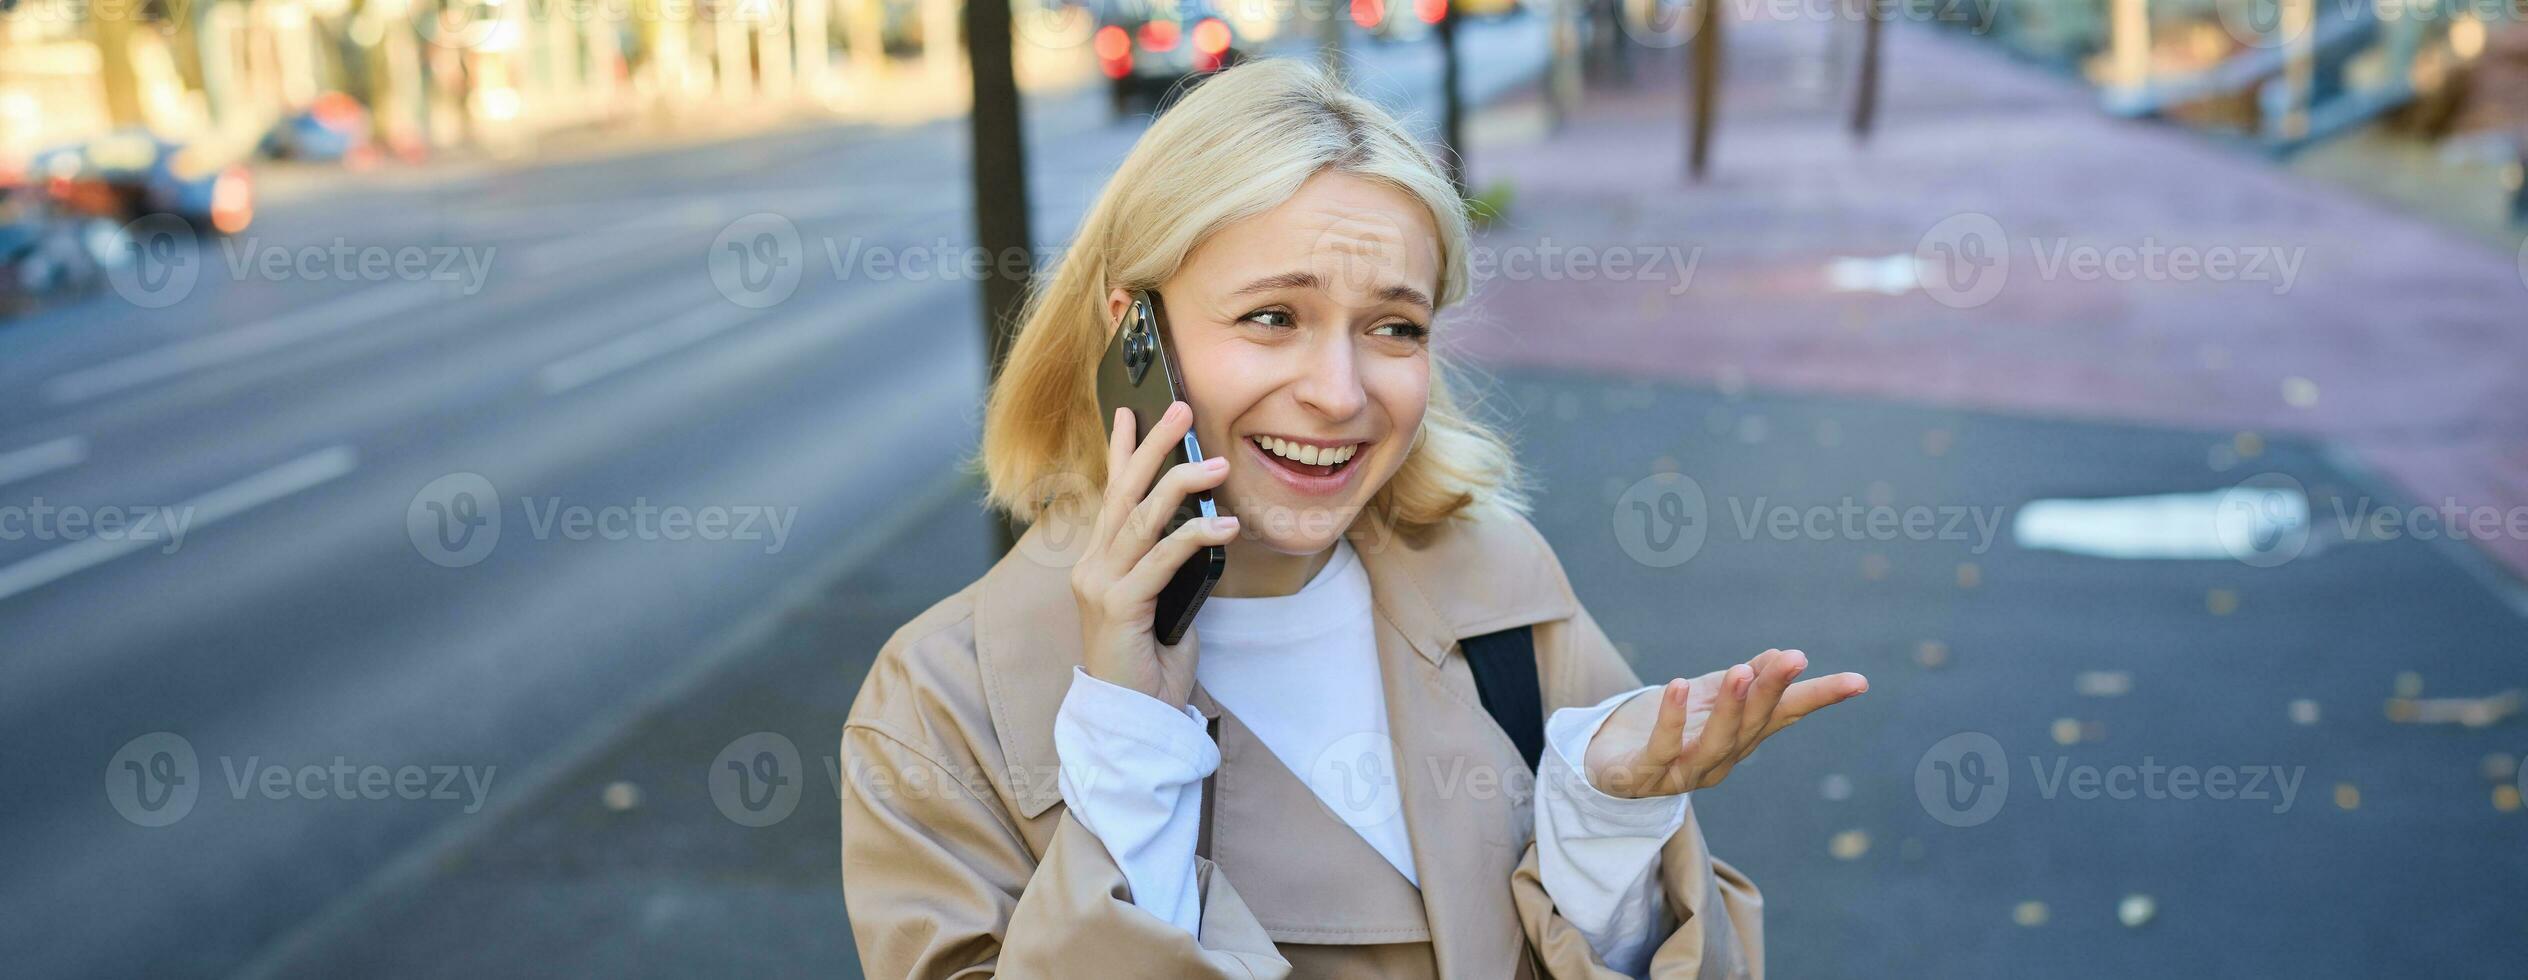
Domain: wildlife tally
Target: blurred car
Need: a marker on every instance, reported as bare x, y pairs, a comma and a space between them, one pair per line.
1411, 20
332, 129
133, 173
49, 252
1153, 52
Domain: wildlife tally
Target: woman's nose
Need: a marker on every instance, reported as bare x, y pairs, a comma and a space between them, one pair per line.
1330, 383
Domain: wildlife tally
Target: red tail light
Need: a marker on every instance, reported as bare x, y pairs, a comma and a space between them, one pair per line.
1114, 51
1211, 37
232, 201
338, 111
1159, 35
1430, 11
1369, 13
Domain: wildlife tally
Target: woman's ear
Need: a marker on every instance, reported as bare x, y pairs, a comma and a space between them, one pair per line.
1116, 302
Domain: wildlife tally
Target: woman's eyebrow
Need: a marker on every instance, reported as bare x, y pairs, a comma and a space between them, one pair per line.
1309, 280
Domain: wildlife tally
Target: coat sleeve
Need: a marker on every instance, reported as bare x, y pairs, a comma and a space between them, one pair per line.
1720, 931
938, 882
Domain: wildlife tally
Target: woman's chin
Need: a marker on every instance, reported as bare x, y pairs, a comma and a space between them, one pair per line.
1277, 530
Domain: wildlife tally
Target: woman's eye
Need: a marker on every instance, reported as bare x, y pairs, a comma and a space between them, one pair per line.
1406, 329
1270, 318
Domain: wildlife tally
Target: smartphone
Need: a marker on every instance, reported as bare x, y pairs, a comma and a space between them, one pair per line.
1138, 373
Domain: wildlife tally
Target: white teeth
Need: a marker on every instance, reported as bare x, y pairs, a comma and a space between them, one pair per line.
1311, 455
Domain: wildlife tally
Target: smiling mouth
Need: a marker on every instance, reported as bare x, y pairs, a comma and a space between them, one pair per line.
1314, 462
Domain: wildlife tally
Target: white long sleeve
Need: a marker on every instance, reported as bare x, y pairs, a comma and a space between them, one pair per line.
1300, 671
1132, 772
1599, 854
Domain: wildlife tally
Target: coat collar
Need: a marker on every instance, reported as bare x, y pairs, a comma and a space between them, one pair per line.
1486, 571
1482, 571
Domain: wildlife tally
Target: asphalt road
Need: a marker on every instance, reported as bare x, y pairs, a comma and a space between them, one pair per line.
385, 544
2345, 844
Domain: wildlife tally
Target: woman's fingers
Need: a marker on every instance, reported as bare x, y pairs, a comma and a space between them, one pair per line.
1771, 680
1667, 735
1149, 519
1129, 475
1113, 504
1712, 746
1810, 695
1151, 574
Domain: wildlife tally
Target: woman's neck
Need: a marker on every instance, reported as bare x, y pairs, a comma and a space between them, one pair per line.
1256, 571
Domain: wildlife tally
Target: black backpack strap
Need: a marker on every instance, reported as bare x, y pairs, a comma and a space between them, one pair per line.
1504, 664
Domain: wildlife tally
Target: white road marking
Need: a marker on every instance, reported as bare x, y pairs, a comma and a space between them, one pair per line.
623, 237
630, 350
42, 458
229, 345
210, 508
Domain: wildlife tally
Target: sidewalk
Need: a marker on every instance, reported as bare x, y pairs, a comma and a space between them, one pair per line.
2396, 339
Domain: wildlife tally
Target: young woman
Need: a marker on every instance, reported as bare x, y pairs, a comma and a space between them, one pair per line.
1309, 784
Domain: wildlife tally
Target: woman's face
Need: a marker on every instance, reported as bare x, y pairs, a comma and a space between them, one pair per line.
1307, 328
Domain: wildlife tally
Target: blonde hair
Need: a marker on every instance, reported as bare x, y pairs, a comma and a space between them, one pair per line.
1238, 145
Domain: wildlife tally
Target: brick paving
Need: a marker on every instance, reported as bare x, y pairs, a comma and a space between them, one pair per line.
2397, 339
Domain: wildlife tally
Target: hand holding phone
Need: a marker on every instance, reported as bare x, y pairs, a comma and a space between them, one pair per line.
1128, 563
1140, 372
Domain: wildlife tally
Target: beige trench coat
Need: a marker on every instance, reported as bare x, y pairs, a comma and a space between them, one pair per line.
960, 860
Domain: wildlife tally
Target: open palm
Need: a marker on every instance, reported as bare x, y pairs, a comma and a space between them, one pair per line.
1687, 734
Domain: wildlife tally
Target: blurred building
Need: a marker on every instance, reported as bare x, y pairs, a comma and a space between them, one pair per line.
425, 74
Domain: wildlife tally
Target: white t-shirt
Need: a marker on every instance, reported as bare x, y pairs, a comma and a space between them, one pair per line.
1301, 671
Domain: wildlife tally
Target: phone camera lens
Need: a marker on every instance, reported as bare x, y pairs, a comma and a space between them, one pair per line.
1137, 347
